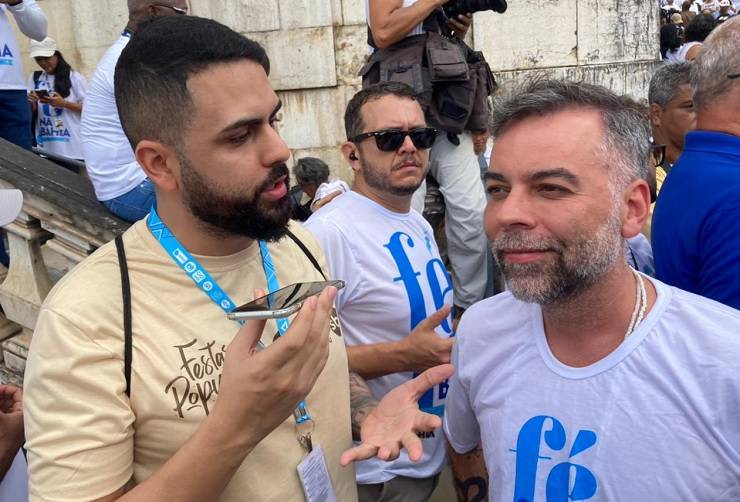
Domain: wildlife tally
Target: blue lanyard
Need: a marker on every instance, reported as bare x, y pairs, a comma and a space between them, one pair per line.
203, 280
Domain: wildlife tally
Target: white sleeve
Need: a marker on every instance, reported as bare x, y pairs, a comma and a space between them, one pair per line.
460, 423
30, 18
79, 84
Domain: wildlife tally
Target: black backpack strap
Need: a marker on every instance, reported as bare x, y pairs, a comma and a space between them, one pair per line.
36, 76
305, 250
127, 331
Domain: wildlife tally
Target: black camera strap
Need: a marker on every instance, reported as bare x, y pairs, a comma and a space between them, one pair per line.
308, 254
126, 294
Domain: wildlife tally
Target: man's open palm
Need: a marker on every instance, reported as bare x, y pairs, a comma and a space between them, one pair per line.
393, 424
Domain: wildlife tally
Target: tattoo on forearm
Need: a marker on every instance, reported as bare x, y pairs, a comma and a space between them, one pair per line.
476, 484
471, 486
361, 402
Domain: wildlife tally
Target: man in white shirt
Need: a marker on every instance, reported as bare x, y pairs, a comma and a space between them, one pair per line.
117, 178
397, 289
588, 380
451, 159
15, 115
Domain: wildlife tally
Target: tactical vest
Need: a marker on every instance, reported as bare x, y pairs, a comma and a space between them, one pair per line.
452, 81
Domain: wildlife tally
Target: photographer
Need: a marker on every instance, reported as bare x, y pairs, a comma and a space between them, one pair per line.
405, 35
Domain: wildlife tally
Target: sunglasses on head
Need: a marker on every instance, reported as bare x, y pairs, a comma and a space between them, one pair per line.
734, 75
390, 140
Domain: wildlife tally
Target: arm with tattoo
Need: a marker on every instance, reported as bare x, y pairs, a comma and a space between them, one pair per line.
361, 402
470, 475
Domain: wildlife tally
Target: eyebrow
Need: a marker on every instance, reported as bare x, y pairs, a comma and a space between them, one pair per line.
250, 122
558, 172
495, 177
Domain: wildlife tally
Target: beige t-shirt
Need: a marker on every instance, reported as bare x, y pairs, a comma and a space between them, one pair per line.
86, 439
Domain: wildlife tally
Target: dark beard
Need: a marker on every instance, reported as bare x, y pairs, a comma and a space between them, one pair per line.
230, 214
375, 179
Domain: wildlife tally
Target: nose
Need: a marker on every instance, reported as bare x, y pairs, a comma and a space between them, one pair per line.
274, 149
407, 146
513, 211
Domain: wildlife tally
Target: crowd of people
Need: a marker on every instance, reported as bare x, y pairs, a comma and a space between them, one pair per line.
603, 371
685, 25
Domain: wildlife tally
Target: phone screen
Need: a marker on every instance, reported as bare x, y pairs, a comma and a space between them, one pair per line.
287, 296
42, 93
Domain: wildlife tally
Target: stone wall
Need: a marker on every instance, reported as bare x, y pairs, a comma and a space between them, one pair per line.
317, 46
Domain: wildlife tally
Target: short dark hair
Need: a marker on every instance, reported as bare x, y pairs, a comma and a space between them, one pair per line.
699, 28
353, 124
665, 82
152, 72
311, 170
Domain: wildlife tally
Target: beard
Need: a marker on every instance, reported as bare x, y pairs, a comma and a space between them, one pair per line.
380, 181
235, 212
578, 264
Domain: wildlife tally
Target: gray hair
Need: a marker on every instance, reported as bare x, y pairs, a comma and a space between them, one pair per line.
311, 170
718, 58
666, 81
626, 143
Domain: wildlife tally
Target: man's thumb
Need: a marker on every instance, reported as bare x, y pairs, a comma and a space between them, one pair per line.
436, 318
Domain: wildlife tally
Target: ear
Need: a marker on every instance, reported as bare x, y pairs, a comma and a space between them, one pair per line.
160, 163
656, 113
351, 154
637, 207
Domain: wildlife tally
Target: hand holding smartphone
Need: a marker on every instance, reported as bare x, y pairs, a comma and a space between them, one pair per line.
283, 302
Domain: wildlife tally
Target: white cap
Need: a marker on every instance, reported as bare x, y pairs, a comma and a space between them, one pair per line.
11, 202
44, 49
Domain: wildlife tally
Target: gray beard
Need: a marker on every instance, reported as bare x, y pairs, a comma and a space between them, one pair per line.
578, 264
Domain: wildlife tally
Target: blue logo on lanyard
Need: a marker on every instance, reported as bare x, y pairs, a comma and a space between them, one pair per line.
188, 263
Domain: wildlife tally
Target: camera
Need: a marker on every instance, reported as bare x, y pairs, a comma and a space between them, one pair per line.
455, 7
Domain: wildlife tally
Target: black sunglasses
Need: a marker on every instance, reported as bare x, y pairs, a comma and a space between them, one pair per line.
178, 10
734, 75
390, 140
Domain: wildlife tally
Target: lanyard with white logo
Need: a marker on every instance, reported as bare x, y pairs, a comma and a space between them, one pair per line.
203, 280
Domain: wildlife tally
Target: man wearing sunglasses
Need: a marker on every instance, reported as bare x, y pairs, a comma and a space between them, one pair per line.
697, 218
394, 309
119, 182
394, 24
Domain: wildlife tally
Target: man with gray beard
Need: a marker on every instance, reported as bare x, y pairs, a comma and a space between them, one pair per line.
587, 380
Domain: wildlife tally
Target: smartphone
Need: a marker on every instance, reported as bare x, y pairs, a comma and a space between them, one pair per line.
283, 302
42, 93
